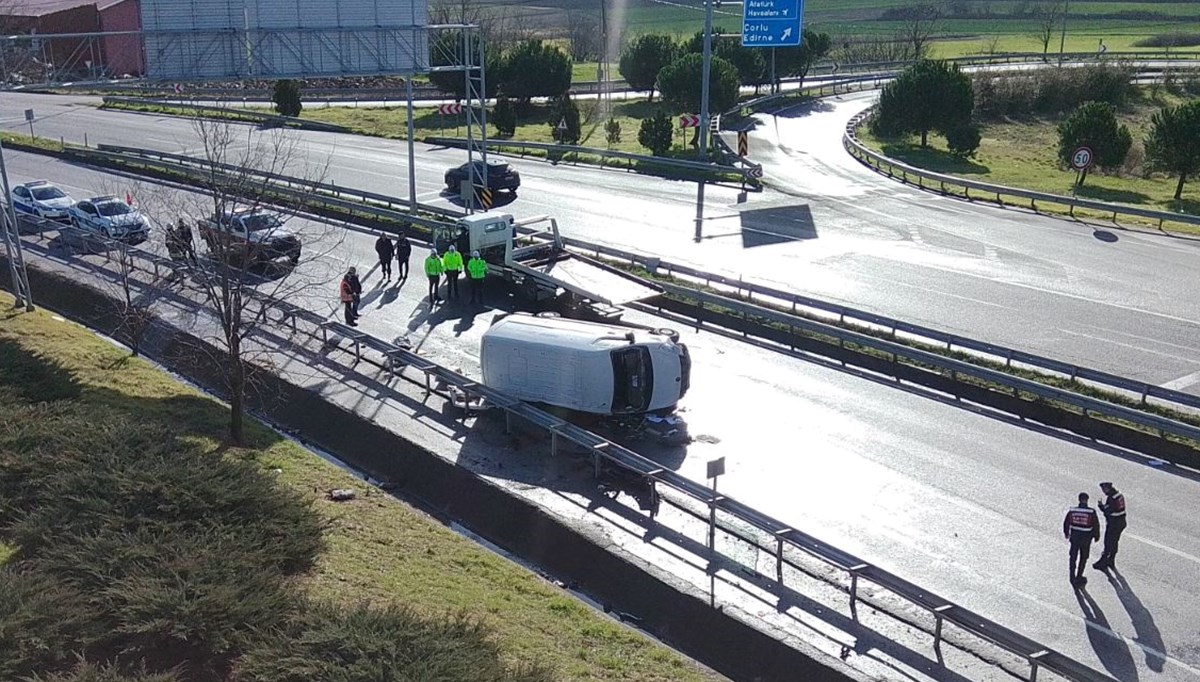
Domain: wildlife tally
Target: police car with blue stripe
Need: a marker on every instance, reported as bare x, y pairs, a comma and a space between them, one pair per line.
42, 199
111, 218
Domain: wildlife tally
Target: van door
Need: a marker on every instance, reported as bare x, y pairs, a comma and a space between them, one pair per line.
633, 379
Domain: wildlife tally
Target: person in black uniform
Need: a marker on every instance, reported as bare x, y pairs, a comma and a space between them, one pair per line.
1113, 507
1081, 527
385, 251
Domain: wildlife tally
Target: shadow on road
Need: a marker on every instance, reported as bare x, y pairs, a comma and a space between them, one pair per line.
1112, 651
1147, 631
777, 225
1104, 235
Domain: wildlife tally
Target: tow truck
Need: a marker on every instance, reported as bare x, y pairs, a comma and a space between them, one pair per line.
529, 255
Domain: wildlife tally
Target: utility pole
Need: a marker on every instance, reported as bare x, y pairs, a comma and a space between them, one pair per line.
1062, 41
12, 244
602, 67
708, 22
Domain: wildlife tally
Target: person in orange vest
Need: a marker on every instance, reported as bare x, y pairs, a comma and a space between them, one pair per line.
346, 292
1081, 527
1113, 507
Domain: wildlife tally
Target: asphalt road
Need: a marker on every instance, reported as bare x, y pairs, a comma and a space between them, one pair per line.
1121, 301
966, 503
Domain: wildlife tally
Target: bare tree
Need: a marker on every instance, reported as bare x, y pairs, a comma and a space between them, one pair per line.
583, 31
1049, 17
238, 272
918, 26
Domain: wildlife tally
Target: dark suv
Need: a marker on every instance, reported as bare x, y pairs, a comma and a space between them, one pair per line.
500, 176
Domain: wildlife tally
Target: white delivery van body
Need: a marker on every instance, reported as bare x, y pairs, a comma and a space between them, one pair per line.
584, 366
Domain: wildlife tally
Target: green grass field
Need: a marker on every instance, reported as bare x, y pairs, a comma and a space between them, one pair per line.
378, 548
531, 127
1024, 154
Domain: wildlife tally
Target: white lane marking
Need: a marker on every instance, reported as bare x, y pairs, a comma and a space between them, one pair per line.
1139, 348
1182, 382
1169, 550
915, 235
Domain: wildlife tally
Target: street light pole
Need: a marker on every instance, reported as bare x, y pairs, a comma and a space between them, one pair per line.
1062, 41
708, 22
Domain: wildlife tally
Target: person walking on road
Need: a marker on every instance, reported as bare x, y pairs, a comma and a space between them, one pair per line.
452, 263
1081, 527
346, 294
476, 272
433, 270
403, 252
1113, 507
385, 251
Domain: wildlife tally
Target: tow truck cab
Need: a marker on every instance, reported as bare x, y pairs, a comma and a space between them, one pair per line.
490, 233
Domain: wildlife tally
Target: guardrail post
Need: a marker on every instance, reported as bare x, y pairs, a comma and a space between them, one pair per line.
854, 584
1145, 392
1034, 659
1033, 205
553, 442
779, 553
937, 630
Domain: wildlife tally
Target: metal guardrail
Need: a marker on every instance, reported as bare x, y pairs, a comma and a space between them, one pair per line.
257, 117
396, 358
843, 314
563, 149
930, 180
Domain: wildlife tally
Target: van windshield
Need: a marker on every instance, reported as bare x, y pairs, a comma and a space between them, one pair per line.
633, 379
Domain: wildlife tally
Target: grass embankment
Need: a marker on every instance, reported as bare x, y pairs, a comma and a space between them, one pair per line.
1023, 153
377, 549
27, 143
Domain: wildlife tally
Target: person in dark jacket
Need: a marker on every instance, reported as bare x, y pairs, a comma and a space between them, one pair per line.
403, 253
355, 291
385, 251
1113, 507
1081, 527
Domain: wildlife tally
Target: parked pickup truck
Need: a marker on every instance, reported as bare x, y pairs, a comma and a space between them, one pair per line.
249, 236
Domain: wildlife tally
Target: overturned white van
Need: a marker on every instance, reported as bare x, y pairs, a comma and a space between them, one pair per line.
585, 366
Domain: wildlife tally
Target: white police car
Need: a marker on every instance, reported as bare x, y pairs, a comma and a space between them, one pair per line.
42, 199
109, 217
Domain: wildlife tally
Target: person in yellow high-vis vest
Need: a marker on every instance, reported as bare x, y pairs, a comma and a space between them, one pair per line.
476, 272
452, 264
433, 270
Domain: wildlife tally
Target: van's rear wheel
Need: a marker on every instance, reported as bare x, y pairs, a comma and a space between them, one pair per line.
668, 332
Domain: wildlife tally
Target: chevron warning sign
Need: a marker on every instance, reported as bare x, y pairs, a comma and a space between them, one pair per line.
743, 143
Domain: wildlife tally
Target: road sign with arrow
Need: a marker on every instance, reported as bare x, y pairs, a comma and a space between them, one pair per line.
771, 23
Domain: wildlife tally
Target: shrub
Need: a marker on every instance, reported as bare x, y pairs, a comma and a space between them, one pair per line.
1094, 125
963, 140
1050, 91
91, 672
392, 643
128, 475
42, 624
1170, 40
655, 133
287, 97
566, 113
504, 117
612, 131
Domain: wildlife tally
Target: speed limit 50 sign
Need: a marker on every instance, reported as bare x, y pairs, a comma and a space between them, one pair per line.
1081, 158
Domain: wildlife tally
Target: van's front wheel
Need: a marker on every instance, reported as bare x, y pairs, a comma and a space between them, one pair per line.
669, 333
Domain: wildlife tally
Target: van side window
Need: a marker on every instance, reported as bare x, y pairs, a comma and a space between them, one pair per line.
496, 227
633, 379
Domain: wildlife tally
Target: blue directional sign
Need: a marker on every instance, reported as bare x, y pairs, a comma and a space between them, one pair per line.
771, 23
